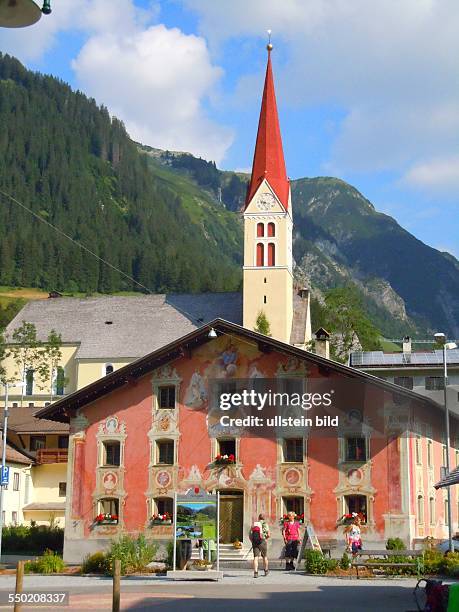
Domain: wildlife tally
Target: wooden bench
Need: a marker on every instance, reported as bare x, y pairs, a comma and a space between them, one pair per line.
417, 559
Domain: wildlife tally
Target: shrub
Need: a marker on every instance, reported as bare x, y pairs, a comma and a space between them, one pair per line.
345, 562
395, 544
332, 564
450, 564
33, 539
315, 562
170, 554
97, 563
49, 563
134, 553
433, 562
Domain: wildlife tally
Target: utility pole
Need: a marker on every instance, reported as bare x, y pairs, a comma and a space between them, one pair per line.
5, 430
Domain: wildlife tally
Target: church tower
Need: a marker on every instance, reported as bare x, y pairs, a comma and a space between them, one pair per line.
268, 275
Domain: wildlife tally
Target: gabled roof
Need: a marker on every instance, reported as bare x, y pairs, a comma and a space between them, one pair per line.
63, 409
268, 159
118, 327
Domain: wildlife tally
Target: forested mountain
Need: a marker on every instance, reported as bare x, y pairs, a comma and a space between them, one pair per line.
64, 157
168, 219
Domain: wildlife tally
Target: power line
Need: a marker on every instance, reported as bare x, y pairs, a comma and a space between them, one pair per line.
78, 244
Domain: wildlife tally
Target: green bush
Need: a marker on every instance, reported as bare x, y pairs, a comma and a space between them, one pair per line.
134, 553
315, 562
49, 563
450, 564
395, 544
170, 554
33, 539
345, 562
332, 564
97, 563
433, 562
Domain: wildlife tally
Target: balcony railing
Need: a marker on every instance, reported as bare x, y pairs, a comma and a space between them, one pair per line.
52, 455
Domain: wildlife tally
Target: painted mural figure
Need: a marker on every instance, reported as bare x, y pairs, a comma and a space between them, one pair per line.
228, 360
196, 393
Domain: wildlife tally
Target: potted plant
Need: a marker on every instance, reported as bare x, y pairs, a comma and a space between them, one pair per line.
162, 519
106, 519
237, 545
225, 460
200, 565
348, 519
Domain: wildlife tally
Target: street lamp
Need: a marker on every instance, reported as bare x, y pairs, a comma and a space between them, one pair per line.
21, 13
440, 339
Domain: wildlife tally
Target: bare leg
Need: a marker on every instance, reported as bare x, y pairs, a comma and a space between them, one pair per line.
255, 565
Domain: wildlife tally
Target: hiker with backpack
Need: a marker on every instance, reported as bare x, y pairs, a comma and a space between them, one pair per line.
259, 535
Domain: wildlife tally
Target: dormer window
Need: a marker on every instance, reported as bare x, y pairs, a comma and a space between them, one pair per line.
109, 368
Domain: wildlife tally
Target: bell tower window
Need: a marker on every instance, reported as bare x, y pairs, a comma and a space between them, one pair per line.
260, 230
260, 254
271, 254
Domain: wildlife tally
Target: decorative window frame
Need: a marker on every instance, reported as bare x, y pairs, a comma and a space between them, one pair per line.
155, 451
281, 451
214, 448
342, 447
165, 377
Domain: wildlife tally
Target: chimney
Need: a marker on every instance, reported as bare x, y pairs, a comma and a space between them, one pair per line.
322, 345
407, 344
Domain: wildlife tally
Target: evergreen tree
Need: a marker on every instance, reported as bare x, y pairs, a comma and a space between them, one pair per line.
262, 325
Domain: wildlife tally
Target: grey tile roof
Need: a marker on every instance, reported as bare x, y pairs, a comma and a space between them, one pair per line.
139, 324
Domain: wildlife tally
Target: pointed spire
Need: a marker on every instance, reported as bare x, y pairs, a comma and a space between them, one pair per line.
268, 160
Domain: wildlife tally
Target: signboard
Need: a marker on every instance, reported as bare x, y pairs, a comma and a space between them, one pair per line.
311, 538
4, 476
196, 519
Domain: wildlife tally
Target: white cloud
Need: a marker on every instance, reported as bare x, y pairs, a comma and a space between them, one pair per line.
389, 66
440, 173
156, 80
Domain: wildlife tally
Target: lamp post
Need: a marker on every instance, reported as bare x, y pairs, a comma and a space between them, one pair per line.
5, 429
440, 338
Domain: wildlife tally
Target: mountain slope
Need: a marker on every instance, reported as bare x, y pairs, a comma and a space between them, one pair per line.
354, 239
75, 167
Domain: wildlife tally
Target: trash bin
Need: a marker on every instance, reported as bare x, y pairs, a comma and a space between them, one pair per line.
183, 553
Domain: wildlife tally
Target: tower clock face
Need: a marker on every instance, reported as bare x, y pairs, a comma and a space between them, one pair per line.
266, 201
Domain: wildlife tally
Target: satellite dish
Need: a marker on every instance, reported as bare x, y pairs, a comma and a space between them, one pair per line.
18, 13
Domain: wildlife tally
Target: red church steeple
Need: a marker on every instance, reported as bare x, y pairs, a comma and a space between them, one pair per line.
268, 160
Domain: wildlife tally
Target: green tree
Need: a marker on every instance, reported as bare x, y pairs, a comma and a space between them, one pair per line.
52, 354
27, 353
262, 325
346, 320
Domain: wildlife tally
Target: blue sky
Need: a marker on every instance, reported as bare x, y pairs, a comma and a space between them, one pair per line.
368, 91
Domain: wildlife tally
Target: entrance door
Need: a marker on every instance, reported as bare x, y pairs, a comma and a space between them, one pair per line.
231, 516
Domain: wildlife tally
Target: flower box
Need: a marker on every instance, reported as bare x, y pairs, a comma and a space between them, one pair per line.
161, 519
348, 519
225, 460
299, 518
106, 519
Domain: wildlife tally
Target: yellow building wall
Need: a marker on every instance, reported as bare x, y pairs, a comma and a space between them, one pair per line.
90, 370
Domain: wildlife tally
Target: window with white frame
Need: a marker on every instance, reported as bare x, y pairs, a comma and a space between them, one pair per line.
421, 509
357, 504
163, 505
165, 452
432, 510
293, 504
29, 381
166, 396
293, 450
418, 450
429, 453
109, 505
355, 449
111, 453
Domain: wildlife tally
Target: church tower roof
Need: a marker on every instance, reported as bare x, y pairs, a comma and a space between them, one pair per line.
268, 160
